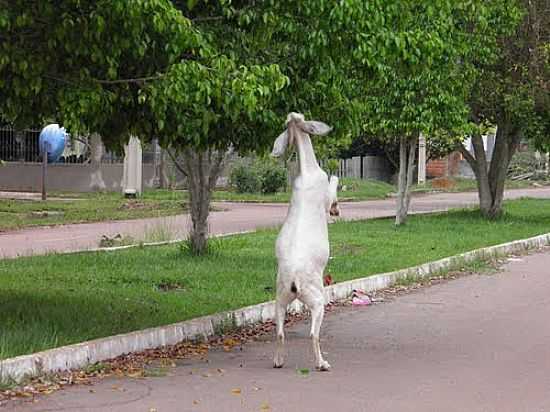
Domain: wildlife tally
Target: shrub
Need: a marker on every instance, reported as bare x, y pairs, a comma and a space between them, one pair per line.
245, 178
332, 166
266, 176
274, 177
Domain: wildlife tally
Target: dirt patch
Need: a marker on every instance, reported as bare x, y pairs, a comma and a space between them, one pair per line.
170, 286
349, 249
47, 213
133, 205
443, 183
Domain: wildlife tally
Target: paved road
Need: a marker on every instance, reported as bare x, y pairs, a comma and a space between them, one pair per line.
479, 343
236, 217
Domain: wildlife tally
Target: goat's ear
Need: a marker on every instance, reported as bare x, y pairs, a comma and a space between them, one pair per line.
314, 127
280, 145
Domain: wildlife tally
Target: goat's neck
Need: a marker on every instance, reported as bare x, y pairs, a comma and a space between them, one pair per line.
306, 155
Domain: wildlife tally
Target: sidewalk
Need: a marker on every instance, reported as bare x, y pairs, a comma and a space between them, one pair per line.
479, 343
235, 217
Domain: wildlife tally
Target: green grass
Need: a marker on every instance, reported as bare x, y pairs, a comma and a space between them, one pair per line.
356, 189
88, 207
48, 301
470, 185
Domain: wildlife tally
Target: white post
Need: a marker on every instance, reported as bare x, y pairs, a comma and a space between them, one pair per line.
157, 163
132, 178
421, 159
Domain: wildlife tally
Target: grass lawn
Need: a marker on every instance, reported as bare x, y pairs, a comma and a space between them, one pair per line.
86, 207
470, 185
48, 301
356, 189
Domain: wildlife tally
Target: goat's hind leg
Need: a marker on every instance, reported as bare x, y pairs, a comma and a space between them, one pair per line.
281, 304
315, 300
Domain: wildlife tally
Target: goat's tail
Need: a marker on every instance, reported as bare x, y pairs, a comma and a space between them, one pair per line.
294, 287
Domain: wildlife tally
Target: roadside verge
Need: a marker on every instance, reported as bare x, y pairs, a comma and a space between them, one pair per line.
81, 354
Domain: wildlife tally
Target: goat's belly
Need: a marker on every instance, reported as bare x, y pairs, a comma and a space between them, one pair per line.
307, 257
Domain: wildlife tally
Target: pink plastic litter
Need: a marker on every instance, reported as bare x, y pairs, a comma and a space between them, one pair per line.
361, 301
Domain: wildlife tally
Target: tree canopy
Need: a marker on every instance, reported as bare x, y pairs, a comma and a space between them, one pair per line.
512, 92
204, 76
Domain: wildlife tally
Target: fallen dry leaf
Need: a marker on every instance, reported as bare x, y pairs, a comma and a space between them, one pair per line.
136, 374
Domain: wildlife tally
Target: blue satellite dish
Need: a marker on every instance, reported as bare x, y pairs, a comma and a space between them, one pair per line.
53, 137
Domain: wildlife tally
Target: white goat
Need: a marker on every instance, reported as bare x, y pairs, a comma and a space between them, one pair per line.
302, 245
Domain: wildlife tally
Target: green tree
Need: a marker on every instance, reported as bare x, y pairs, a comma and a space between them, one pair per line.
390, 69
135, 68
413, 55
83, 62
298, 37
512, 91
268, 40
204, 111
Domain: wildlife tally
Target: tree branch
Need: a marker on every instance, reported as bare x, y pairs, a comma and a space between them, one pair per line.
207, 18
467, 155
176, 163
137, 80
216, 168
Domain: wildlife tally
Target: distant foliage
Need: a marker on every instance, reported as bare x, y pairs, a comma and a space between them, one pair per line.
245, 178
274, 177
332, 166
254, 176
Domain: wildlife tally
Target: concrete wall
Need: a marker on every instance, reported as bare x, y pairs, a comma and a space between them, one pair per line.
366, 167
67, 177
376, 167
465, 171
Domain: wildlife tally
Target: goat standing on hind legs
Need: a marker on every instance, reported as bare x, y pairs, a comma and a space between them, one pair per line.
302, 245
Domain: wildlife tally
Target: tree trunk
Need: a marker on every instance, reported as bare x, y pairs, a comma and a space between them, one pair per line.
482, 175
202, 169
96, 153
406, 169
491, 178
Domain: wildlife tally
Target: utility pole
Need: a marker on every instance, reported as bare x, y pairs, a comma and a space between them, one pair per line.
44, 168
421, 159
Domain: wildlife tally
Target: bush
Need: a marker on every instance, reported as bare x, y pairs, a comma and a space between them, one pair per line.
332, 166
258, 176
274, 178
245, 178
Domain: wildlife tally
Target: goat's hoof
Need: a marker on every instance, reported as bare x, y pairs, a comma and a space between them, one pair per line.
278, 362
324, 366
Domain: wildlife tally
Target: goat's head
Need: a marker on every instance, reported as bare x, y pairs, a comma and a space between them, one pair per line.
295, 126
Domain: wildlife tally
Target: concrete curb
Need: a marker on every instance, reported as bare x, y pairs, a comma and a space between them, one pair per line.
81, 354
146, 244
